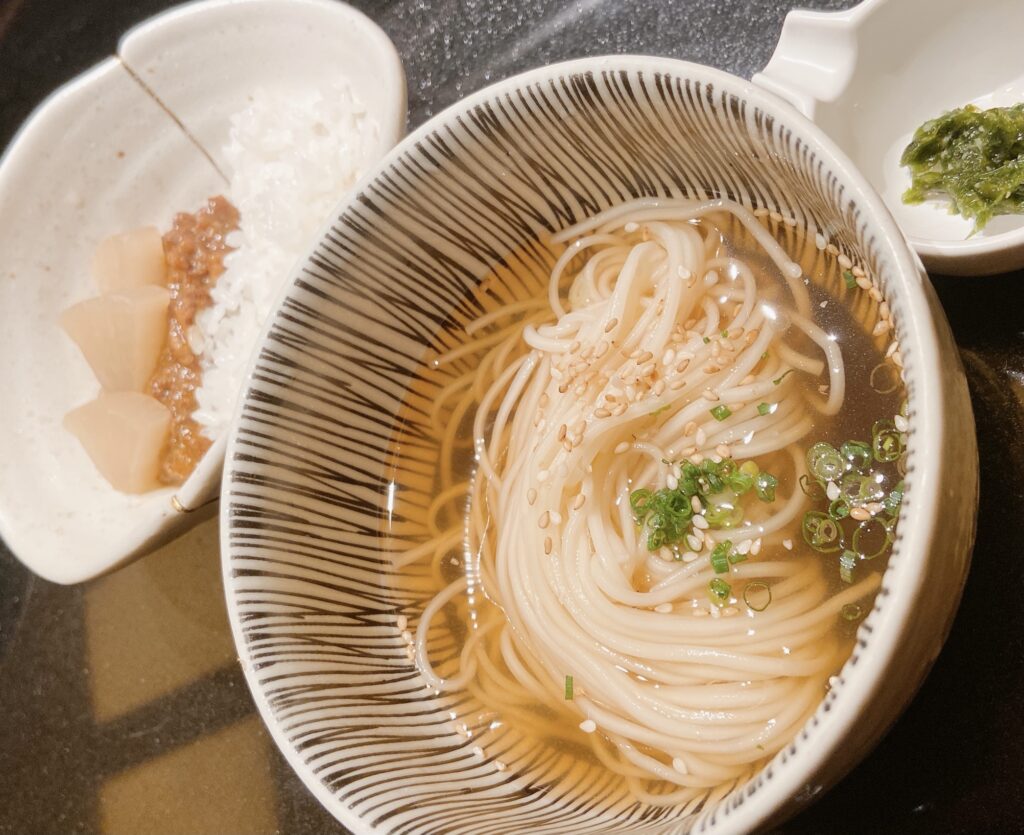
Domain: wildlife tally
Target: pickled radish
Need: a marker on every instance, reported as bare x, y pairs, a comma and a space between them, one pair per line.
130, 259
121, 334
124, 433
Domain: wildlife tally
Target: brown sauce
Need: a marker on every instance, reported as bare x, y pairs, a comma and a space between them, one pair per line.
195, 248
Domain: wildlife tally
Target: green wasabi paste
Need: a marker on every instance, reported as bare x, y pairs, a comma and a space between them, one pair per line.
974, 157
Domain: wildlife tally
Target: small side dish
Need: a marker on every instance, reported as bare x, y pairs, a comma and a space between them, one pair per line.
178, 314
973, 157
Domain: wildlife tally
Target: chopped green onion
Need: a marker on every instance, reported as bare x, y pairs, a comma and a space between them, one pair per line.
851, 280
719, 591
847, 562
812, 488
725, 333
783, 376
723, 515
857, 453
764, 409
764, 486
721, 412
750, 468
757, 595
878, 535
707, 339
720, 557
839, 509
825, 462
568, 688
886, 441
894, 499
821, 532
736, 557
851, 611
661, 409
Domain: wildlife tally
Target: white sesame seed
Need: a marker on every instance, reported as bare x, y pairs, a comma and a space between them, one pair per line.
844, 261
694, 542
548, 545
680, 766
630, 227
744, 547
701, 437
544, 519
776, 216
755, 548
671, 482
708, 394
621, 447
407, 636
689, 556
901, 423
700, 523
498, 764
723, 451
789, 221
478, 750
832, 249
531, 495
462, 730
663, 608
695, 504
713, 609
402, 622
897, 359
410, 652
787, 544
874, 508
675, 385
668, 357
832, 491
819, 241
757, 213
881, 327
578, 501
588, 726
860, 514
556, 517
863, 282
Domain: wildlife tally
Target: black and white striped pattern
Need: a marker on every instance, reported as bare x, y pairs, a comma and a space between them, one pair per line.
306, 489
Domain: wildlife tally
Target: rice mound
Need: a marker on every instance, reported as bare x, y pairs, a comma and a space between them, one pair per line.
291, 160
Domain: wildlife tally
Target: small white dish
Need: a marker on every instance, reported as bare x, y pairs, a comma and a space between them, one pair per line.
871, 75
132, 142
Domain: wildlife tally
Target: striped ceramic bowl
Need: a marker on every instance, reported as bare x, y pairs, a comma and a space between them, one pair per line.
308, 485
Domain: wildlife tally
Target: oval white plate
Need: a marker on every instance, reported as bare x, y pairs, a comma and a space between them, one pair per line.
131, 142
870, 76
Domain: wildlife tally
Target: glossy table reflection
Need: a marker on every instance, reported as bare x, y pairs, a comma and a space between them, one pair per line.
122, 707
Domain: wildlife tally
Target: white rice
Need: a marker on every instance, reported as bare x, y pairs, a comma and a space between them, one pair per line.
291, 158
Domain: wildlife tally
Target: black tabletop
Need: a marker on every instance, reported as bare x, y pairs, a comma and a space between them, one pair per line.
122, 706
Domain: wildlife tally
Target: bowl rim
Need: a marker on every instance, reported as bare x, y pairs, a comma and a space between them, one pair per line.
902, 576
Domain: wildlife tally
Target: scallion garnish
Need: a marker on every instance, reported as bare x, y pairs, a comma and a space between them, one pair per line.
568, 688
666, 515
850, 278
847, 562
822, 532
721, 412
707, 339
719, 591
886, 441
720, 557
872, 538
764, 409
851, 611
757, 595
783, 375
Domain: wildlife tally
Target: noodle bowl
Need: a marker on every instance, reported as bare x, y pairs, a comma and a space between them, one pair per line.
656, 349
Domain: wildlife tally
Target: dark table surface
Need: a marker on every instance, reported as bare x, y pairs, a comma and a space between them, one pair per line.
122, 706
